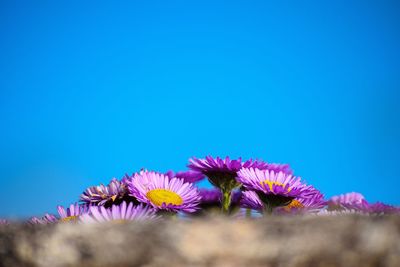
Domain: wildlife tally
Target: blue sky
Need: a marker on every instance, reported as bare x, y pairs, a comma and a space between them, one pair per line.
94, 90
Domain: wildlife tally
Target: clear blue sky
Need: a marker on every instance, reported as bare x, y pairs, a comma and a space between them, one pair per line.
89, 91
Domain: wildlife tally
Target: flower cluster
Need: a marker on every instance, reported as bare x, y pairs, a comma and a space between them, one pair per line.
251, 188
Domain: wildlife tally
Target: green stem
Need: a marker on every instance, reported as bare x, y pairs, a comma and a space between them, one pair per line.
248, 213
268, 209
226, 201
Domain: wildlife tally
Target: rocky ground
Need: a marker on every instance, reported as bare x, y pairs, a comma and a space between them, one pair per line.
350, 241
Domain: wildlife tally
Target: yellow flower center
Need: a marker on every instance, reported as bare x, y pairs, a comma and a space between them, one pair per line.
69, 219
160, 196
294, 205
271, 184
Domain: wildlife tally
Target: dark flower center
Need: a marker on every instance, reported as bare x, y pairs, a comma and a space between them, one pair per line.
273, 201
225, 180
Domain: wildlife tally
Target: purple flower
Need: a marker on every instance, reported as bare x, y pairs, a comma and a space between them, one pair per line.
378, 208
3, 222
72, 213
381, 208
337, 202
311, 203
270, 182
188, 176
223, 172
273, 189
115, 192
46, 219
163, 193
122, 212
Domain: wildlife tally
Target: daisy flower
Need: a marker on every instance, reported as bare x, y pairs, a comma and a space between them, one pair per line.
72, 213
377, 208
164, 193
69, 214
273, 189
46, 219
382, 208
222, 173
113, 193
311, 203
338, 202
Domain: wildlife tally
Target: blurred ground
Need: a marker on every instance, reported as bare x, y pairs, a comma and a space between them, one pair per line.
350, 241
